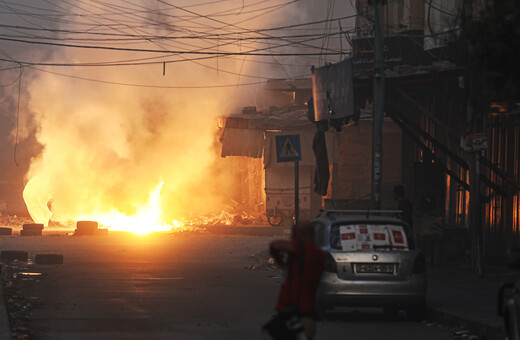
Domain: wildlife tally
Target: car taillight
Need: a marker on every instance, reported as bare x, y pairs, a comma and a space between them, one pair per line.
419, 265
330, 264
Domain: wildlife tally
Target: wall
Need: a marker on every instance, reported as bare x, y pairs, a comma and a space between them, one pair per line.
355, 164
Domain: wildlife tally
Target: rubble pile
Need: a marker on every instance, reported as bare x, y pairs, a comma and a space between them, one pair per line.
13, 220
235, 214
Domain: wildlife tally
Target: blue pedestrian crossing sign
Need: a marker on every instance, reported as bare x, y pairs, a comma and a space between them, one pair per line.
288, 148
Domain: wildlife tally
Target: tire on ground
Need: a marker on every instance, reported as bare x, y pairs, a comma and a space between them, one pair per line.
33, 226
86, 228
30, 232
6, 231
11, 255
48, 259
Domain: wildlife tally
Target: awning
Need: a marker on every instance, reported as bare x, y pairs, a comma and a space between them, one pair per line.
280, 119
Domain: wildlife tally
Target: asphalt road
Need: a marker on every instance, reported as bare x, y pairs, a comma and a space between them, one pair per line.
180, 286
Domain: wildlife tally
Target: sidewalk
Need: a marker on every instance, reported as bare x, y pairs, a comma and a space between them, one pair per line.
457, 299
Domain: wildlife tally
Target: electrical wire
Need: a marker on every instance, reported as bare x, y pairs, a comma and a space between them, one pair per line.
171, 52
145, 85
204, 36
114, 21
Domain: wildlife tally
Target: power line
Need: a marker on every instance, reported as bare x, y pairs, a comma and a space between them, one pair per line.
145, 85
170, 52
202, 36
99, 20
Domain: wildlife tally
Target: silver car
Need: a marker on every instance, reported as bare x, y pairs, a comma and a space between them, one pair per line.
371, 261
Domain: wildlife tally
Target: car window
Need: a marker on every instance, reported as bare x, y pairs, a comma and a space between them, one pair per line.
362, 237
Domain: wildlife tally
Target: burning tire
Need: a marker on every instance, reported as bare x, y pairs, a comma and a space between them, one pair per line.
275, 220
86, 228
48, 259
6, 231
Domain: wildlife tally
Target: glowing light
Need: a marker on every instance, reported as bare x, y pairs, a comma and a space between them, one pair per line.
147, 219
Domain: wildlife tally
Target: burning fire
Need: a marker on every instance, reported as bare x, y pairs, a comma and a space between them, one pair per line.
147, 219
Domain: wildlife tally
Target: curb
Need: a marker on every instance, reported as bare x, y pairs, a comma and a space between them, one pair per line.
5, 327
475, 326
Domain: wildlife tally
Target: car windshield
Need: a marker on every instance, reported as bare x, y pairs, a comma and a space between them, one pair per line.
360, 237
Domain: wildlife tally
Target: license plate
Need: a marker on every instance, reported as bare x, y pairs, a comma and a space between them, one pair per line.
385, 268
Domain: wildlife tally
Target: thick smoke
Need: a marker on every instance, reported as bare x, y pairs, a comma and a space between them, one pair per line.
107, 146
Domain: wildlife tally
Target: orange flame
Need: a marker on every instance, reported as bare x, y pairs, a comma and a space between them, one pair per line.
147, 219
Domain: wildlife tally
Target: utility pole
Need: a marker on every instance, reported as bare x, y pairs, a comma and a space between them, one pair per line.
473, 119
296, 192
379, 105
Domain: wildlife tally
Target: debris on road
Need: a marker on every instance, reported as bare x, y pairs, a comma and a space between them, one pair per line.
264, 262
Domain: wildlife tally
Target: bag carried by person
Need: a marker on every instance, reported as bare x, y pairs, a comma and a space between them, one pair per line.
285, 325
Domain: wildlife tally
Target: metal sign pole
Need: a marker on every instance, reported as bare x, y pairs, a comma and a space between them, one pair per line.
288, 150
296, 192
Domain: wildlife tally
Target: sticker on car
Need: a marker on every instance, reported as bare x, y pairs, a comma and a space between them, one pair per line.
367, 237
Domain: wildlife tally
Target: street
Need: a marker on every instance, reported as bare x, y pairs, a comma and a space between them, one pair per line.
172, 286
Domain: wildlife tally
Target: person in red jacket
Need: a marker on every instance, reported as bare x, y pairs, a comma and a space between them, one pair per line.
304, 263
